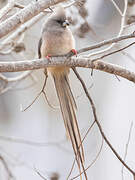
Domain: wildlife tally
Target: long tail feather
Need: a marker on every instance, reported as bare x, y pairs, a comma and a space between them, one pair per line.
68, 107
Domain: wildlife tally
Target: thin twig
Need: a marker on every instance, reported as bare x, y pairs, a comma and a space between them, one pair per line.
114, 52
105, 42
40, 174
78, 96
92, 161
129, 56
38, 95
20, 6
34, 143
99, 125
13, 80
70, 4
10, 175
126, 150
116, 6
42, 91
119, 34
17, 78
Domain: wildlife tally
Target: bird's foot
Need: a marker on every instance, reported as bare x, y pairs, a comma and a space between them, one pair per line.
48, 57
74, 51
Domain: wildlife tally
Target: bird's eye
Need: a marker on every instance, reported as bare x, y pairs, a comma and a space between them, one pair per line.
60, 21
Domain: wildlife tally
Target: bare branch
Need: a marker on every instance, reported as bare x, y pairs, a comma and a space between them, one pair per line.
7, 8
105, 42
116, 6
119, 34
70, 4
113, 52
13, 80
17, 78
10, 175
32, 143
62, 61
126, 150
72, 62
99, 125
40, 174
95, 159
129, 56
11, 38
38, 95
129, 25
24, 15
20, 6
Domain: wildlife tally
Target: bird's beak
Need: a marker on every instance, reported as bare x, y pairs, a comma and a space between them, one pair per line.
65, 23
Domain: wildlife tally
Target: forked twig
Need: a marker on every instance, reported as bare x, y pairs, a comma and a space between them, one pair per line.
123, 15
99, 125
126, 150
92, 161
113, 52
117, 7
38, 95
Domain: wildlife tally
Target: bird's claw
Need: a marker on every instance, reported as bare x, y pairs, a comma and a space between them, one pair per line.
74, 52
48, 57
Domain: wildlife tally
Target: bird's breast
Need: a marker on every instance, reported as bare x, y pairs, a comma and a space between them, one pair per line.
57, 43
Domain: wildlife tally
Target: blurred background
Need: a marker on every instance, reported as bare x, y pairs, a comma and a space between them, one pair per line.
50, 151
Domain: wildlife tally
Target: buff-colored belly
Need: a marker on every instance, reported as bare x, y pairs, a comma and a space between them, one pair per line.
54, 44
57, 45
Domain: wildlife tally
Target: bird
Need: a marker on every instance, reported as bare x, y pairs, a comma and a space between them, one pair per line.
57, 40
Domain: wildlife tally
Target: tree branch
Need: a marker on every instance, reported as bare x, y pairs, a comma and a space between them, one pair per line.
126, 149
106, 42
99, 125
81, 61
71, 62
17, 78
16, 34
123, 15
24, 15
7, 8
10, 175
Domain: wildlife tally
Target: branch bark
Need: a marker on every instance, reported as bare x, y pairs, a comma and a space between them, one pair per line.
24, 15
106, 42
99, 125
7, 8
81, 61
71, 62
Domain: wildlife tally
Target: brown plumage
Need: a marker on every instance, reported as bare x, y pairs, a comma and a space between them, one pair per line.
57, 39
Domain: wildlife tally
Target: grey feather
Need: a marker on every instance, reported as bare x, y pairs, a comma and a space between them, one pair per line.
39, 48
